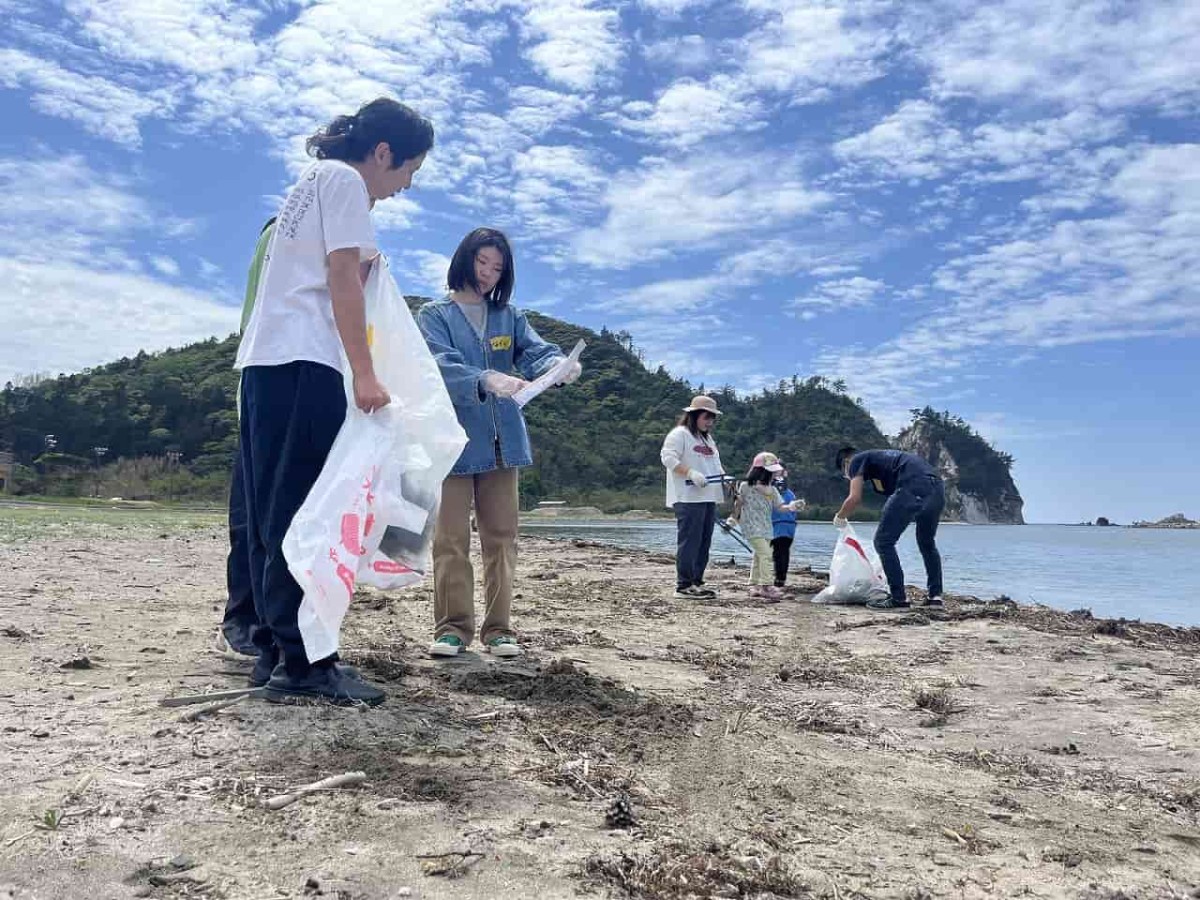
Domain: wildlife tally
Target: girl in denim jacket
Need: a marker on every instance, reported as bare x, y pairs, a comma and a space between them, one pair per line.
478, 339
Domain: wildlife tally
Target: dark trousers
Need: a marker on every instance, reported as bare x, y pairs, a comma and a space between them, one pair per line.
781, 553
921, 500
290, 417
694, 524
241, 619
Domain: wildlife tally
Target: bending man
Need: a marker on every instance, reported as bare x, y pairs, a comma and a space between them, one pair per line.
915, 492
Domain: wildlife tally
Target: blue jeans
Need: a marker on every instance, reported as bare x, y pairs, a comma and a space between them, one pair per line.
921, 499
694, 524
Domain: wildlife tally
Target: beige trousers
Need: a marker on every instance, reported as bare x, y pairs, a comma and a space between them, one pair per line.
762, 567
494, 496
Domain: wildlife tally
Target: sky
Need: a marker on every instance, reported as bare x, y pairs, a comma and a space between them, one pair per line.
990, 208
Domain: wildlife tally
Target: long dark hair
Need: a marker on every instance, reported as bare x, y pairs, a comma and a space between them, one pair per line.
462, 265
691, 421
382, 121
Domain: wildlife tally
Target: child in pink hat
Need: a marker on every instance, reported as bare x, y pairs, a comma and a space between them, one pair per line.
756, 500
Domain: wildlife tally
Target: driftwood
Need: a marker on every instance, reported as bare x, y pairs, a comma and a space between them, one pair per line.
325, 784
193, 714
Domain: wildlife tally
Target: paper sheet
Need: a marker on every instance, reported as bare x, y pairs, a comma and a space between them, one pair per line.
550, 378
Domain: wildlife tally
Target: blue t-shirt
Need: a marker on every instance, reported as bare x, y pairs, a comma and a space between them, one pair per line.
783, 524
885, 470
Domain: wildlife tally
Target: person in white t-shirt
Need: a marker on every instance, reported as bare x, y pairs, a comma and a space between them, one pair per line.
690, 456
309, 310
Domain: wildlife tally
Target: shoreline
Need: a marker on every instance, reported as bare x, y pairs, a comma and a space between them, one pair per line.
984, 750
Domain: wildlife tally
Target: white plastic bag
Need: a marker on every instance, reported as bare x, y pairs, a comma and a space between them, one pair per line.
855, 572
370, 516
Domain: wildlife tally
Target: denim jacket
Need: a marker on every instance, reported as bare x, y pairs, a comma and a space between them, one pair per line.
510, 342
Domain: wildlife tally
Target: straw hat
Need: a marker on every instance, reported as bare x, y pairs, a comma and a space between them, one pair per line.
701, 403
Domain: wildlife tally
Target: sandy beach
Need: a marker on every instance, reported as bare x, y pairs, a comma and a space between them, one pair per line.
645, 747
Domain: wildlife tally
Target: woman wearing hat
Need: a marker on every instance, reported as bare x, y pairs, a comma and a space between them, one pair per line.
690, 457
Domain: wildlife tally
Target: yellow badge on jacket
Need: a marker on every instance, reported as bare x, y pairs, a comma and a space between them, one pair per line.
502, 342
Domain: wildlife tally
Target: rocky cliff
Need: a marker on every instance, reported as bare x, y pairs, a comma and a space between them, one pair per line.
979, 485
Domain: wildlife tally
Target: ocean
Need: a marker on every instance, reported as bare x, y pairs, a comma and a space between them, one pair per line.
1136, 573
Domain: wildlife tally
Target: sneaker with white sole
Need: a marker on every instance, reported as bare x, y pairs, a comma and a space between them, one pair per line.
503, 646
447, 645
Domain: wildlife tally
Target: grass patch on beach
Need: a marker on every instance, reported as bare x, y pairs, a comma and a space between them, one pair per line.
19, 524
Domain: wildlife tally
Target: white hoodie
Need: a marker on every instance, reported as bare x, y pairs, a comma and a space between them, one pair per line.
696, 452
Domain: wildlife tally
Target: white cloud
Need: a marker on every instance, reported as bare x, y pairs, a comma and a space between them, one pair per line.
191, 35
553, 187
689, 112
58, 207
666, 206
574, 43
101, 106
688, 52
535, 110
913, 142
838, 294
670, 296
804, 49
1121, 276
164, 265
671, 7
427, 271
61, 317
920, 141
1086, 52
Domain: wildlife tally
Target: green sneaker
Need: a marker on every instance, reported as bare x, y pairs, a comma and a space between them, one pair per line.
447, 645
504, 646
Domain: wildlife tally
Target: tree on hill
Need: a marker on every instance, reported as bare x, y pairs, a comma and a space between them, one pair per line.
595, 443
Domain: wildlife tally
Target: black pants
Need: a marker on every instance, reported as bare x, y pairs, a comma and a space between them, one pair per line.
290, 417
781, 553
694, 524
241, 619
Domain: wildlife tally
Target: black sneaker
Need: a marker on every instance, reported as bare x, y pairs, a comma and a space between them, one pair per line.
888, 603
264, 666
323, 682
264, 670
934, 601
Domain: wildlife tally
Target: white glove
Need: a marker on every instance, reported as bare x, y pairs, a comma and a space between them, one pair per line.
799, 504
500, 384
840, 521
574, 370
698, 478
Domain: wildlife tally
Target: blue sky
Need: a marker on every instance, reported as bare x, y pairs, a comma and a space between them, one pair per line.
990, 208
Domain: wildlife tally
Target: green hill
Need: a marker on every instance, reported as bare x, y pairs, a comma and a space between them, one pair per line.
168, 424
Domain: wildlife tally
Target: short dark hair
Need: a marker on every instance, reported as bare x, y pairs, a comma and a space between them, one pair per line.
842, 455
382, 121
758, 475
462, 265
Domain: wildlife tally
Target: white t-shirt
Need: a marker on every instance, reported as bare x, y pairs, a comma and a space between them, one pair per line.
327, 209
700, 453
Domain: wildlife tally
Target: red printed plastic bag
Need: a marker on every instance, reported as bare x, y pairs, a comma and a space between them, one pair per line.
855, 573
369, 518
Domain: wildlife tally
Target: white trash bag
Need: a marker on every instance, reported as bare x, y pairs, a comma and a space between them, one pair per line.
855, 573
369, 518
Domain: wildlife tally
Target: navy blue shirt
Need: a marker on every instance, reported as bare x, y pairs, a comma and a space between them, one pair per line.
885, 470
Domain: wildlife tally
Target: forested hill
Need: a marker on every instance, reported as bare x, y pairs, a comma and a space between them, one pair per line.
167, 424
